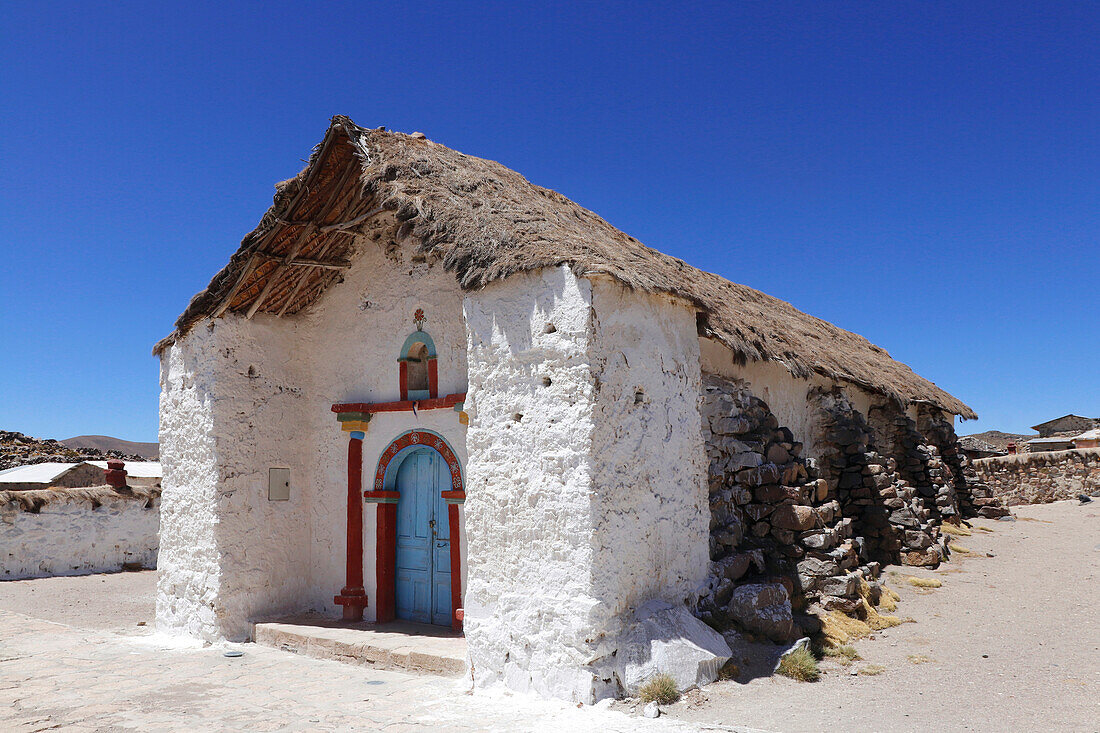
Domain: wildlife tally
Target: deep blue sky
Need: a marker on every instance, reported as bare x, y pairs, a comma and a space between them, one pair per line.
924, 174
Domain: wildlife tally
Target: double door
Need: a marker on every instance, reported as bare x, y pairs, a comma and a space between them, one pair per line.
423, 563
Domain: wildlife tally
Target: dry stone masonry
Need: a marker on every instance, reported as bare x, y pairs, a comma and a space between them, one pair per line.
894, 520
1040, 478
778, 540
792, 536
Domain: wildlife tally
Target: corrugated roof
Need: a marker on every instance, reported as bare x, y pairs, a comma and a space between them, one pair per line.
38, 473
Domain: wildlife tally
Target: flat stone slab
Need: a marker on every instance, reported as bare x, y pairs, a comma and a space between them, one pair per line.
402, 646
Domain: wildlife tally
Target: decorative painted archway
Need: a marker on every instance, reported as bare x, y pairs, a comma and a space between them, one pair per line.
383, 494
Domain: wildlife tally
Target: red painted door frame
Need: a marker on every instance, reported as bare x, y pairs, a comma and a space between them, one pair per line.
386, 549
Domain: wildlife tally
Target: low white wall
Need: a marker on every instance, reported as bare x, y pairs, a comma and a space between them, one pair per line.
68, 536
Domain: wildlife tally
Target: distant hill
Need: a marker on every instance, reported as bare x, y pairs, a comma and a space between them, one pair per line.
1001, 440
105, 443
17, 449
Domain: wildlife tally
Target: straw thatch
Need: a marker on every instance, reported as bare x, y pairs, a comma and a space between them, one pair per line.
487, 222
32, 500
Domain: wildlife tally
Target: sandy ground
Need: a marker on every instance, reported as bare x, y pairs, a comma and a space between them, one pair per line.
105, 601
1008, 643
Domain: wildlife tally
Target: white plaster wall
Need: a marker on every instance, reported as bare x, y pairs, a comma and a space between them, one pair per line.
584, 499
230, 410
530, 611
651, 510
352, 339
242, 396
189, 565
260, 396
68, 537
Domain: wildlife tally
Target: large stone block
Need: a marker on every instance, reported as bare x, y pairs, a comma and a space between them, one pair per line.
762, 608
794, 517
666, 638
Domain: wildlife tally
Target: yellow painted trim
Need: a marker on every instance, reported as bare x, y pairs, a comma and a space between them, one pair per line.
353, 425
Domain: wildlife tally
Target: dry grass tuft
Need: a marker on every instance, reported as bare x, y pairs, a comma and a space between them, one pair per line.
924, 582
919, 659
661, 689
872, 670
956, 530
984, 529
871, 615
800, 665
844, 654
838, 628
960, 549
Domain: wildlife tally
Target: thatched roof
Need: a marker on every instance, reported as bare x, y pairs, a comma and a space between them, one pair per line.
487, 222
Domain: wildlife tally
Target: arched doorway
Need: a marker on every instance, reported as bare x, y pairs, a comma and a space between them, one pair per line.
422, 576
418, 477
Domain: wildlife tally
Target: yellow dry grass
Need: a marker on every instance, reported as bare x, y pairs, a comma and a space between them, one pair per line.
872, 670
984, 529
960, 549
924, 582
660, 688
919, 659
844, 654
888, 601
956, 530
839, 628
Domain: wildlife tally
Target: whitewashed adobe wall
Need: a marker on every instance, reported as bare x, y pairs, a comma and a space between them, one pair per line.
529, 478
67, 536
561, 497
230, 409
652, 511
242, 396
354, 337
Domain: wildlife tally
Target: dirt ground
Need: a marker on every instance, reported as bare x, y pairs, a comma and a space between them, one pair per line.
1008, 643
104, 601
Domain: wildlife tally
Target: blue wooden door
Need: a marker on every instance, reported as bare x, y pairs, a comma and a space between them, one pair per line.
423, 576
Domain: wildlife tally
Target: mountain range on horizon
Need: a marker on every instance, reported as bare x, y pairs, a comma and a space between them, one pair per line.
149, 451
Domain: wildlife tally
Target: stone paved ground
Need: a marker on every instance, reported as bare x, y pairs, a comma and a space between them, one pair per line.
55, 676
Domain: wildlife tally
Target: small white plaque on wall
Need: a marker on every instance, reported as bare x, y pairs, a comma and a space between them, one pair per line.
278, 484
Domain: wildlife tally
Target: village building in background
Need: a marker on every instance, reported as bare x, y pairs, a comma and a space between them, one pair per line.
426, 389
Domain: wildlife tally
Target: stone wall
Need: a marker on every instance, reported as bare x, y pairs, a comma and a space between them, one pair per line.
1040, 478
895, 520
77, 531
778, 541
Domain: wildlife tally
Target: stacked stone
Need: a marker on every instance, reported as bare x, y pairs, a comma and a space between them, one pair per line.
776, 530
892, 521
938, 431
982, 500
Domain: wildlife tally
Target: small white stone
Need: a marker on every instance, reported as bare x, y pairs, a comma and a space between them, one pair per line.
651, 710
